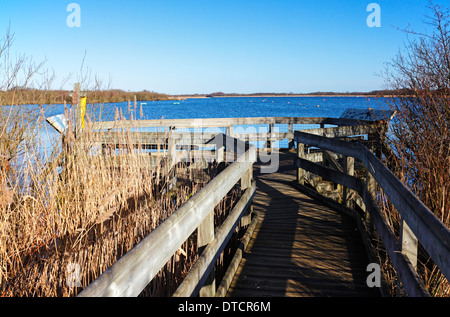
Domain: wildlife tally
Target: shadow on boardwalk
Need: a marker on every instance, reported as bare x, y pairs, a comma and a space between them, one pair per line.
300, 247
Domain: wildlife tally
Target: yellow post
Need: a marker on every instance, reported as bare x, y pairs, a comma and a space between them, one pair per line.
83, 110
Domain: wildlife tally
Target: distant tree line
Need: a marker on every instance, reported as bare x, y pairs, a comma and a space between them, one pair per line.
22, 96
386, 92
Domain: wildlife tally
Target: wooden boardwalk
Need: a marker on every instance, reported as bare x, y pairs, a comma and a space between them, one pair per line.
300, 247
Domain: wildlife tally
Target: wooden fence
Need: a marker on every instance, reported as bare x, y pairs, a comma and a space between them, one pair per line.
132, 273
419, 224
272, 126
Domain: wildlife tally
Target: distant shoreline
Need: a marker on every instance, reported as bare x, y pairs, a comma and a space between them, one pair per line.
178, 97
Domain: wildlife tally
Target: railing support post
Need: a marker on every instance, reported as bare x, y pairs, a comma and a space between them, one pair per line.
205, 235
371, 189
220, 154
349, 169
76, 96
291, 130
269, 143
246, 182
410, 243
171, 151
300, 171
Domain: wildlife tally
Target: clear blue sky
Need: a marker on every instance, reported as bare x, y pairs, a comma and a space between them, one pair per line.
190, 46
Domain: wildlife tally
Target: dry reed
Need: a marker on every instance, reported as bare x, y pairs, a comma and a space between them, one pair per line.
75, 214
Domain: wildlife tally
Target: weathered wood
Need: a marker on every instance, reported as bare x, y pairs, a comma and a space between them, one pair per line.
226, 122
314, 157
230, 143
338, 146
187, 138
237, 258
181, 138
212, 122
349, 167
330, 174
410, 244
205, 235
331, 159
246, 182
205, 263
343, 131
431, 232
300, 171
300, 246
131, 274
405, 270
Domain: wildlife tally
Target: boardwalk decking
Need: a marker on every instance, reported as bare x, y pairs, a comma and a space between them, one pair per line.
301, 247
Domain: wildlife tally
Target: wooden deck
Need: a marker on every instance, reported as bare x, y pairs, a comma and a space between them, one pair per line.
300, 247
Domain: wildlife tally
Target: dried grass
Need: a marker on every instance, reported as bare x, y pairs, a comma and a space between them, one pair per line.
77, 213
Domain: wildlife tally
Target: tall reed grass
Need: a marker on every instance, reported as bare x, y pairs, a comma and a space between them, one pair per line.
66, 218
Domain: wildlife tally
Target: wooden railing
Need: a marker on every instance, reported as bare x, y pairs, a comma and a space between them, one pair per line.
233, 127
132, 273
419, 224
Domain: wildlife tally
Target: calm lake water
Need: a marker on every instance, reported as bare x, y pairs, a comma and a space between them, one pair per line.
231, 107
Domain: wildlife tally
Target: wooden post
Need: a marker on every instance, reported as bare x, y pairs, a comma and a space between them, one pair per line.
205, 235
246, 182
349, 169
269, 143
77, 107
300, 171
410, 243
291, 130
220, 154
228, 132
171, 151
371, 189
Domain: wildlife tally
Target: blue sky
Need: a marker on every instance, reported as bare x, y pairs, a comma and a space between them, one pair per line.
190, 46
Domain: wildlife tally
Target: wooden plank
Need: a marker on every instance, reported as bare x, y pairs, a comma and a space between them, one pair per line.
209, 122
225, 122
337, 146
330, 174
300, 245
343, 131
201, 137
205, 235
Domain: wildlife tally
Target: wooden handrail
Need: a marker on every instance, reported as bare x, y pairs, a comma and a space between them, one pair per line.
429, 230
223, 122
132, 273
110, 133
197, 275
